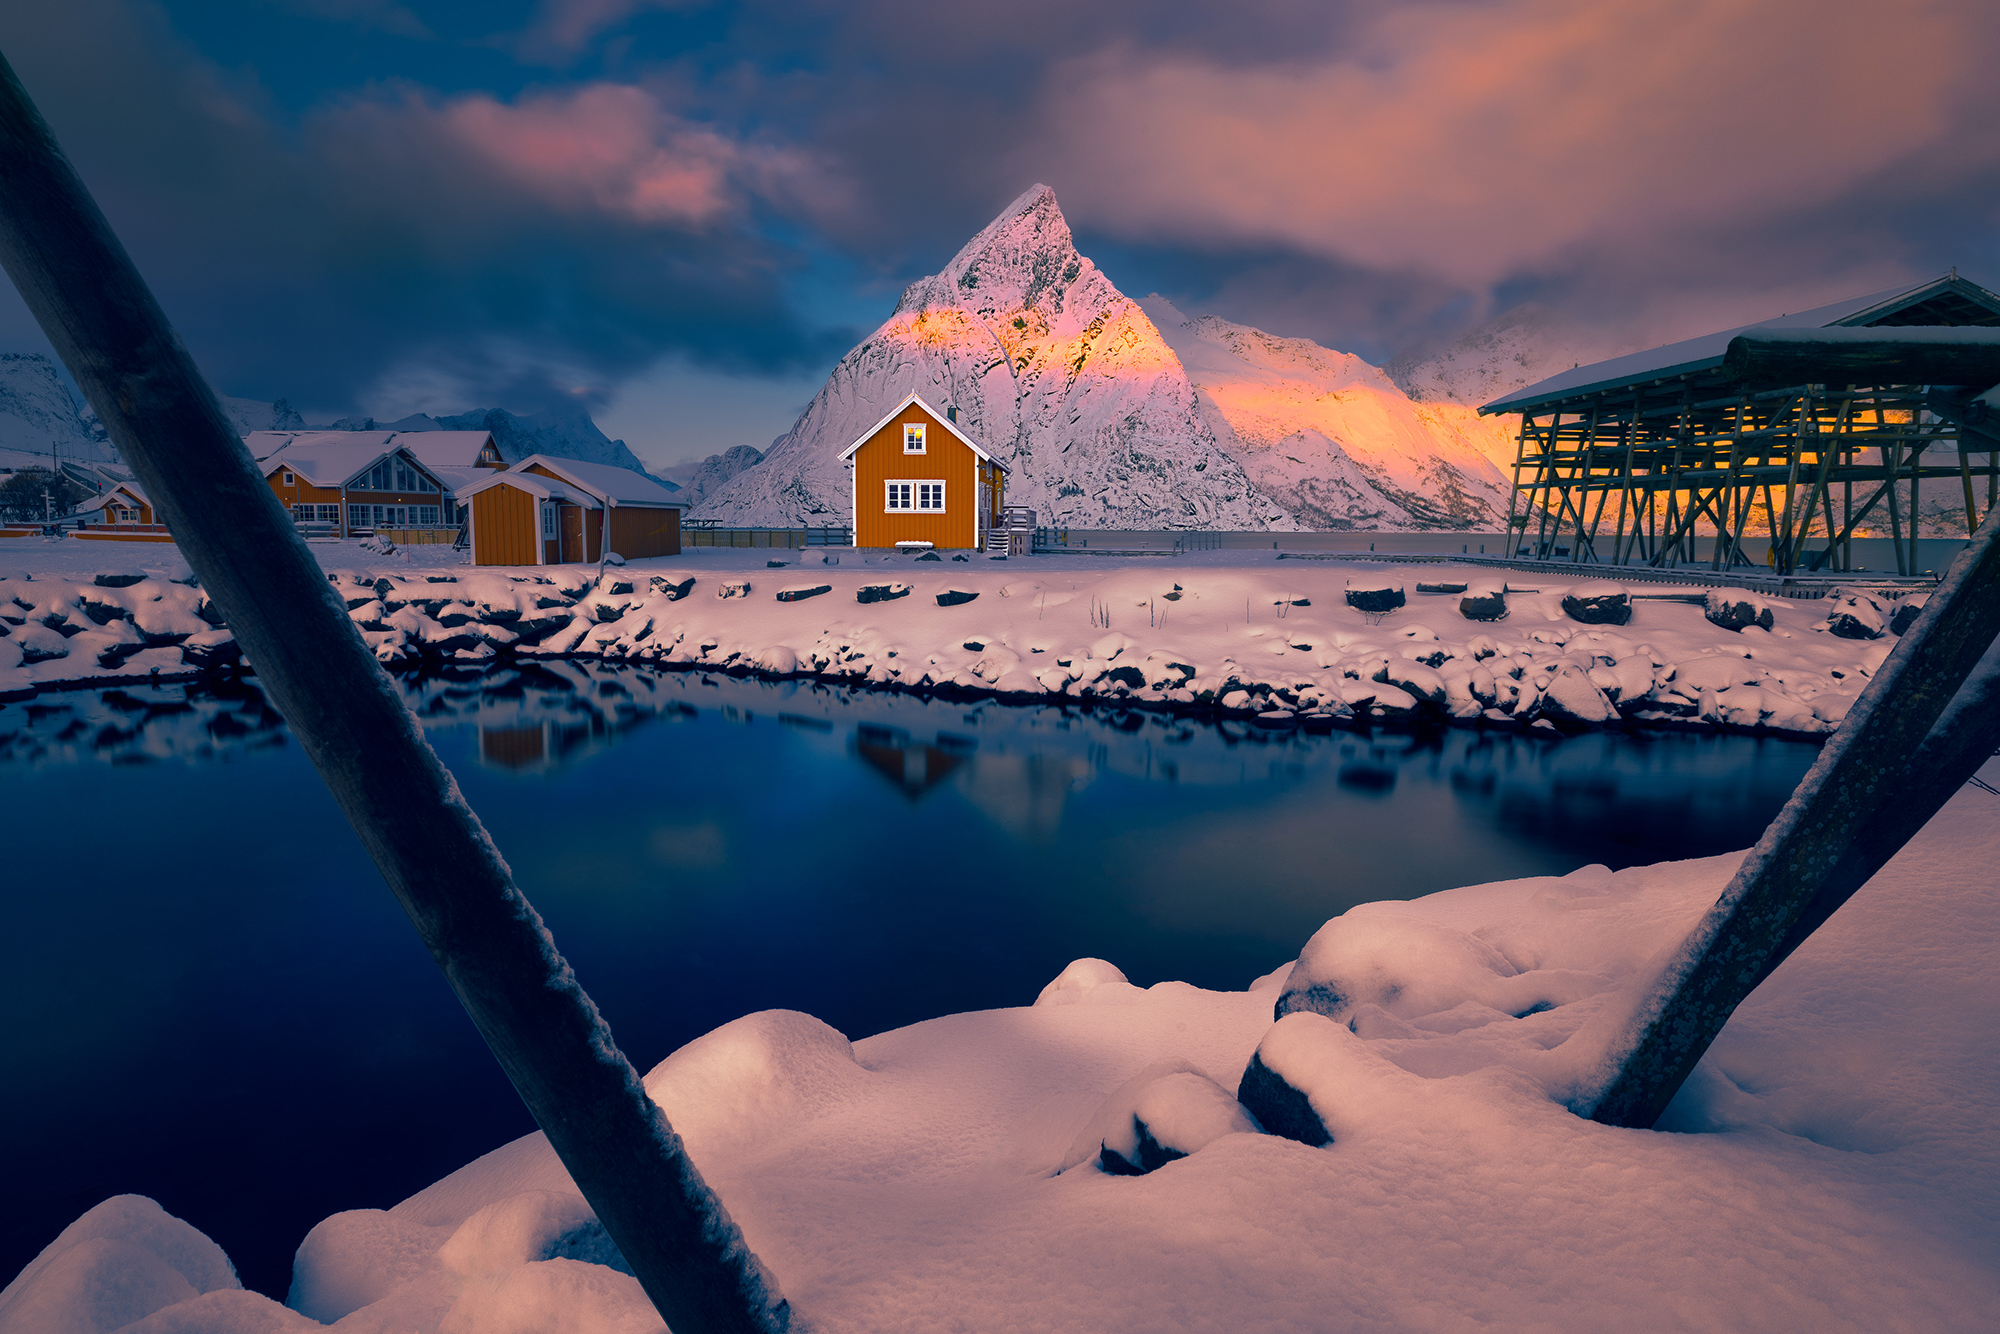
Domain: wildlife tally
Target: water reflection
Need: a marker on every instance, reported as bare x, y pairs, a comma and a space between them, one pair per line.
701, 847
1614, 797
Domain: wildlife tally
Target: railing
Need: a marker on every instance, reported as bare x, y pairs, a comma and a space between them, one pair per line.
703, 534
413, 537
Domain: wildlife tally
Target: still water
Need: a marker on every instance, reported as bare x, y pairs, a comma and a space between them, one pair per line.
213, 1000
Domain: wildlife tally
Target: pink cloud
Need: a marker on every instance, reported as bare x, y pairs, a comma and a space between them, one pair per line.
1474, 143
608, 146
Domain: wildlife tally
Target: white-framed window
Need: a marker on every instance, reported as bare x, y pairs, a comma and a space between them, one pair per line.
302, 513
357, 516
913, 437
914, 496
329, 514
290, 480
548, 519
429, 514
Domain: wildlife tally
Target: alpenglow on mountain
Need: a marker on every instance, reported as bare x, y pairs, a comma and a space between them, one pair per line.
1061, 376
1115, 413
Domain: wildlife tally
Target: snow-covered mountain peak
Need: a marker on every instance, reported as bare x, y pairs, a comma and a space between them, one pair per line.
1019, 262
1051, 367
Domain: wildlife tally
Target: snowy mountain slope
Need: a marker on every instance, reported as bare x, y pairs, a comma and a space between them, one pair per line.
1512, 350
39, 417
1330, 437
251, 414
704, 477
1061, 376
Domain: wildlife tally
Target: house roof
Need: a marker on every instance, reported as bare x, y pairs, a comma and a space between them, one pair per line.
606, 482
1950, 300
544, 488
936, 416
445, 449
333, 458
130, 489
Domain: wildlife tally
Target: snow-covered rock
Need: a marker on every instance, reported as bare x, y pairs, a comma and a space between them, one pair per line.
1054, 370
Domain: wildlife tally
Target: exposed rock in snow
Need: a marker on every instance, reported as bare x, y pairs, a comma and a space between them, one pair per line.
39, 417
1332, 438
1061, 376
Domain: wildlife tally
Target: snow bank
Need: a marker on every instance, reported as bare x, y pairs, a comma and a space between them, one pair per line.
1314, 643
1834, 1166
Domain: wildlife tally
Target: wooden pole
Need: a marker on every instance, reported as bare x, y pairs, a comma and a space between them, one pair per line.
1909, 743
352, 723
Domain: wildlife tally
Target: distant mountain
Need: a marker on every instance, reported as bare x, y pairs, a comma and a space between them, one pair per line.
1059, 375
1509, 352
1330, 437
40, 419
707, 476
562, 432
251, 415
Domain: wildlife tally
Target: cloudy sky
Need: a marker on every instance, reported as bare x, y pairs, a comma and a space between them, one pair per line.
678, 213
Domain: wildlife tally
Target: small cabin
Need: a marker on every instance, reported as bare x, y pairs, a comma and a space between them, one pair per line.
123, 504
549, 511
121, 514
920, 481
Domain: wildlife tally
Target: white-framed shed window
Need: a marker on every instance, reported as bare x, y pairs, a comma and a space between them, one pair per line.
913, 437
548, 519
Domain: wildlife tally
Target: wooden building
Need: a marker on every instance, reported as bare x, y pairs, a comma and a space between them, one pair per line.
361, 482
918, 480
121, 514
1798, 429
549, 511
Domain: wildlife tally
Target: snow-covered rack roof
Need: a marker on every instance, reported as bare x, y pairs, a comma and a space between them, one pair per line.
1697, 363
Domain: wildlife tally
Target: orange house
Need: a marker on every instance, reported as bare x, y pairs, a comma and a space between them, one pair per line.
550, 511
127, 516
919, 481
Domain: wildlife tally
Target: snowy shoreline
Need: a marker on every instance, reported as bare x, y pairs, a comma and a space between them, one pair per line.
908, 1180
1223, 633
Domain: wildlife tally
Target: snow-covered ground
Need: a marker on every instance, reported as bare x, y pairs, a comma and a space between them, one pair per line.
1247, 632
1831, 1164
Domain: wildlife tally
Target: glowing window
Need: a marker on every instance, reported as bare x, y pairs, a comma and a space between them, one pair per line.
913, 437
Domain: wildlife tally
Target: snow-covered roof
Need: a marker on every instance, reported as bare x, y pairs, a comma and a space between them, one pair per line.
445, 449
1950, 300
130, 490
936, 416
544, 488
606, 482
333, 458
456, 480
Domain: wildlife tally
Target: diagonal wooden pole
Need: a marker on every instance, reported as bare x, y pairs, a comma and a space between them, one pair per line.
1922, 728
351, 721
